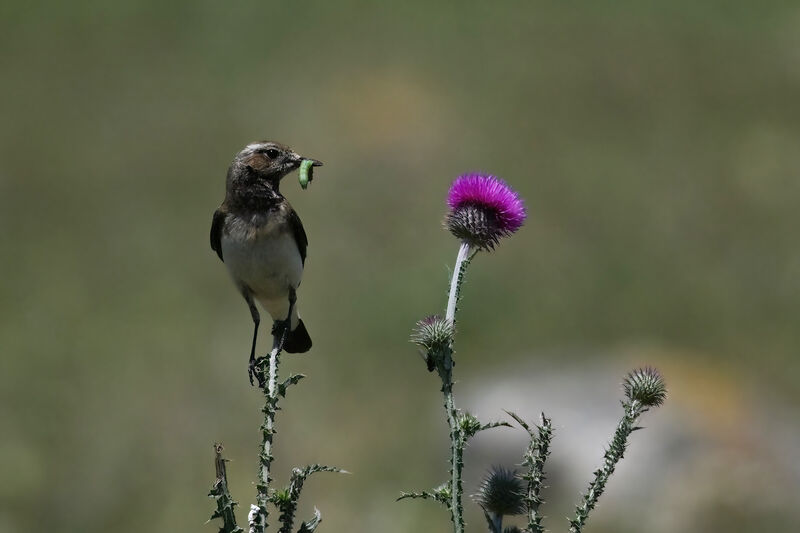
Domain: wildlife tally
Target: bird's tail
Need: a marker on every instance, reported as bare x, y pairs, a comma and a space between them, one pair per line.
298, 340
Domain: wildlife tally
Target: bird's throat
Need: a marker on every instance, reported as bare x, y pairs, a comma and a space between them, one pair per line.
259, 196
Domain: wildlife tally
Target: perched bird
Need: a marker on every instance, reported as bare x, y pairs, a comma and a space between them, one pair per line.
261, 240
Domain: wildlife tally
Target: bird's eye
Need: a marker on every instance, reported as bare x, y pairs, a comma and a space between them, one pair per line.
272, 153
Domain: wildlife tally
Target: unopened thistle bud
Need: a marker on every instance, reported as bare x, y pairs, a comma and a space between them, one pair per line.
483, 209
434, 335
501, 493
646, 386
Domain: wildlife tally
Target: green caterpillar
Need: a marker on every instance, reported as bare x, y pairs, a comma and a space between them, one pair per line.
306, 172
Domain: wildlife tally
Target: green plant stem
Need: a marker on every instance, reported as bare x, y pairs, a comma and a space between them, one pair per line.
462, 262
258, 521
497, 523
288, 503
220, 493
456, 457
446, 374
612, 456
535, 458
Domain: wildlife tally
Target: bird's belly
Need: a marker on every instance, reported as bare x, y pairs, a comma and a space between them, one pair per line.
268, 264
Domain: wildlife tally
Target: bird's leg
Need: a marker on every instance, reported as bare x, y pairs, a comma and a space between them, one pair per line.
252, 364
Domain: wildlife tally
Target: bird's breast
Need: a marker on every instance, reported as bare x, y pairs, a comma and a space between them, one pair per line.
265, 256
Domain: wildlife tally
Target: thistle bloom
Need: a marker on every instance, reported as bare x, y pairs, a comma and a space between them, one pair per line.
483, 209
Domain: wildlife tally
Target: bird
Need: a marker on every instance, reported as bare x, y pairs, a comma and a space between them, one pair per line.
260, 238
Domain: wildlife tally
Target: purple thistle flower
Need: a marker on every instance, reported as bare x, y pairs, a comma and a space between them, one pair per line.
483, 209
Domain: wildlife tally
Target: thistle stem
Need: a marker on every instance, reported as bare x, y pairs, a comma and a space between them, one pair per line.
497, 520
537, 453
612, 456
446, 373
456, 458
462, 261
258, 519
220, 493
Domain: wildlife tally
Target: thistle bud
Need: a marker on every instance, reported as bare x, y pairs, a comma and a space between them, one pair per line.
433, 333
646, 386
501, 493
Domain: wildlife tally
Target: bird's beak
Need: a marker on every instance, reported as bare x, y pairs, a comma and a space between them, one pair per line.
297, 159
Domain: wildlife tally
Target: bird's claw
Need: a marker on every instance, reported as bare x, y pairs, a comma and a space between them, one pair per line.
254, 370
281, 328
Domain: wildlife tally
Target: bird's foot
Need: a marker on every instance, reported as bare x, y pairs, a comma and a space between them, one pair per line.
254, 370
281, 329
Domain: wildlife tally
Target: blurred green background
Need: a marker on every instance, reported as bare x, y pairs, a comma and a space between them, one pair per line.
656, 145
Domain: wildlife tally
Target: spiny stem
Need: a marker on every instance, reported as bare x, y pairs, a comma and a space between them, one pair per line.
462, 262
258, 518
446, 374
456, 458
612, 456
287, 501
220, 493
535, 458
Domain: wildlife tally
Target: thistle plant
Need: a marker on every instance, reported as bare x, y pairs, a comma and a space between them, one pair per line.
533, 461
219, 491
284, 500
644, 388
482, 210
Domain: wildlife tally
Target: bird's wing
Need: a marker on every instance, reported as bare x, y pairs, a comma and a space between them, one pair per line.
299, 234
217, 224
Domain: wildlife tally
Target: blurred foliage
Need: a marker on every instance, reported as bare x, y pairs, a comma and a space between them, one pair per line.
655, 144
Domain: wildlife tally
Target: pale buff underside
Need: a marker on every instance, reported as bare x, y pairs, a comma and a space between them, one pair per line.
265, 258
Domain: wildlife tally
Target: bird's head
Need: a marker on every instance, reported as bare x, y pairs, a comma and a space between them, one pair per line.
268, 161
